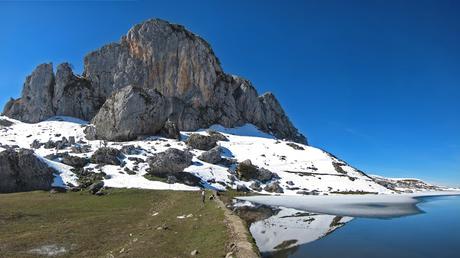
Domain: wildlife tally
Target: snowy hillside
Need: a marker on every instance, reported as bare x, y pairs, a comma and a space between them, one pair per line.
408, 185
300, 169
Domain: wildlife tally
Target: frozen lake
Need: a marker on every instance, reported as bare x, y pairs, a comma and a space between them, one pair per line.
354, 226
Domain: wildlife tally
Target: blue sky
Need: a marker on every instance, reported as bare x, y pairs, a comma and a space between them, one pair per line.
375, 82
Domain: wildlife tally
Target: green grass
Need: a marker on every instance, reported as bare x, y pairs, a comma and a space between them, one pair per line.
155, 178
92, 226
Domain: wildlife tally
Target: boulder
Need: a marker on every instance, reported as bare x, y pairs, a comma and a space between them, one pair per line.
23, 171
49, 144
171, 161
87, 177
211, 156
131, 150
36, 144
96, 187
295, 146
171, 179
107, 156
201, 142
217, 136
90, 132
274, 187
5, 123
78, 148
131, 112
242, 188
188, 179
256, 186
72, 140
74, 161
247, 171
129, 171
265, 175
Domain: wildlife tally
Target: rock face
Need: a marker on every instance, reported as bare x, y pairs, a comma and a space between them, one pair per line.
35, 103
73, 95
22, 171
191, 88
159, 55
45, 94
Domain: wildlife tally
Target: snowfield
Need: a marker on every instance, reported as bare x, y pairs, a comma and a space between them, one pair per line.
299, 167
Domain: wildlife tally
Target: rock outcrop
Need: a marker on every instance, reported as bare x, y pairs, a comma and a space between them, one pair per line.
190, 86
22, 171
35, 103
74, 95
129, 113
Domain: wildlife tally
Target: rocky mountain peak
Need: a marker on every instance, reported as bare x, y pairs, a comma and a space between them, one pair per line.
180, 66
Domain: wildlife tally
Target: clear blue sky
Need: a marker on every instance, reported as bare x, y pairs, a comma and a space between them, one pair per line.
375, 82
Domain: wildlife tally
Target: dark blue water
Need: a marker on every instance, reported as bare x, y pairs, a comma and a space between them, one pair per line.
432, 234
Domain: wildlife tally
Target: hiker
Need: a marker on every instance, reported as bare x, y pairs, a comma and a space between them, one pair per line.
203, 195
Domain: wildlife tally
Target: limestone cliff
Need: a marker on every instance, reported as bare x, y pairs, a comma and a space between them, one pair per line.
178, 65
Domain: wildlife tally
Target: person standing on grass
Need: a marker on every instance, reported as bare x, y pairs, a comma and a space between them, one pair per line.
203, 196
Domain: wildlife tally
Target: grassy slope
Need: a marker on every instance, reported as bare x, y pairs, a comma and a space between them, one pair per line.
92, 226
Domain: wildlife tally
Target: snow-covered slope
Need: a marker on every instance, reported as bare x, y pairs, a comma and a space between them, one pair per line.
408, 185
301, 169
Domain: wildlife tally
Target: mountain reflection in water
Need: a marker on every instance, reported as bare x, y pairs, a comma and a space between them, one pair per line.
294, 232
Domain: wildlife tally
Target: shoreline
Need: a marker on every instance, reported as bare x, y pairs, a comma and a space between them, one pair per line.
241, 245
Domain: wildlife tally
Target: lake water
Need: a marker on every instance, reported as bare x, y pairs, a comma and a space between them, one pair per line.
435, 232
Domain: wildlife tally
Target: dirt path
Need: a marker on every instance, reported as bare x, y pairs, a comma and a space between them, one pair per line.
242, 246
